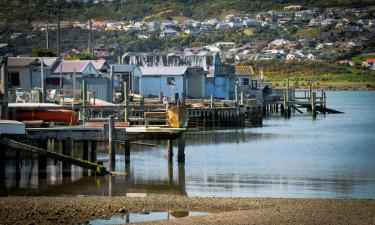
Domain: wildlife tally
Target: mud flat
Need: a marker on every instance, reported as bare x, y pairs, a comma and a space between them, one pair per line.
78, 210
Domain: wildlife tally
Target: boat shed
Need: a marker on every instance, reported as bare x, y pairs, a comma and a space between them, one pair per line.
127, 73
63, 74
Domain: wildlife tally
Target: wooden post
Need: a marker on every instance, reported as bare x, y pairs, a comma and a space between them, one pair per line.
17, 162
287, 89
126, 101
286, 107
170, 150
160, 96
85, 101
42, 160
324, 100
181, 176
127, 151
236, 93
181, 149
74, 88
85, 150
242, 99
4, 88
313, 105
67, 146
112, 77
42, 81
85, 156
111, 143
170, 173
93, 147
3, 187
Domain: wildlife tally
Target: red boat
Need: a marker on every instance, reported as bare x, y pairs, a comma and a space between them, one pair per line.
42, 111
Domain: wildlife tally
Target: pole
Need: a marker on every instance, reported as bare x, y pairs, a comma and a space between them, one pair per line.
47, 38
42, 80
74, 88
61, 65
111, 143
313, 105
58, 38
111, 76
84, 98
89, 41
126, 101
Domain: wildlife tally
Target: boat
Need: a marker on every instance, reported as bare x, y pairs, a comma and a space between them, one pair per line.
177, 117
45, 112
12, 127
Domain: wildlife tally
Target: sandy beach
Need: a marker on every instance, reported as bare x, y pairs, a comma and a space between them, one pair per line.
77, 210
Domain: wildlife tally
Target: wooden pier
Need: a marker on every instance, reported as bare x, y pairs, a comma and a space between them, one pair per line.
286, 100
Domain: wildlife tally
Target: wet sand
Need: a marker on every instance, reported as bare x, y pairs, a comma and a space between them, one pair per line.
76, 210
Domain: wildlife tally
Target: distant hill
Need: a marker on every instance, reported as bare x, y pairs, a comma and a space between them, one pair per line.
29, 10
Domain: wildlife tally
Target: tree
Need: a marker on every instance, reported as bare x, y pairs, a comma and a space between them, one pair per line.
42, 52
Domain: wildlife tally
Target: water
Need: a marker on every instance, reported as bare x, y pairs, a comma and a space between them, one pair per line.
139, 217
331, 157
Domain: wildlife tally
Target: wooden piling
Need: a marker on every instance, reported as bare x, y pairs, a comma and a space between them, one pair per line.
85, 150
93, 151
285, 111
181, 149
170, 173
42, 159
85, 155
170, 150
111, 143
127, 151
313, 105
67, 147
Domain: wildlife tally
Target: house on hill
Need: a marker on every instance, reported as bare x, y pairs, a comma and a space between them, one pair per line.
369, 63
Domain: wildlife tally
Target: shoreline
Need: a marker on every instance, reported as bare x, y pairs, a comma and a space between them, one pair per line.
73, 210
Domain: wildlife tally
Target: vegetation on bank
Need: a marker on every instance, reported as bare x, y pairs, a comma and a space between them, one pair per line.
321, 74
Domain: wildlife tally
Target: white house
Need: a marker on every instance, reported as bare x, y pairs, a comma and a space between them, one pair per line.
169, 33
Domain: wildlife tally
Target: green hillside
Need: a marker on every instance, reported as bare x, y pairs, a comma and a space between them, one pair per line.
28, 10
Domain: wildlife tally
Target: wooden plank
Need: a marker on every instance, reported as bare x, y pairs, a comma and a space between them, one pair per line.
155, 115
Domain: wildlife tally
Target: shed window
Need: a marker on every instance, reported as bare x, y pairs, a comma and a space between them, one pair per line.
15, 78
245, 81
170, 81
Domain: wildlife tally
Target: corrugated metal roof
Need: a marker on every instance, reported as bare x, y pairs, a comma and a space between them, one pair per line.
244, 70
123, 68
158, 71
49, 61
20, 61
98, 64
69, 66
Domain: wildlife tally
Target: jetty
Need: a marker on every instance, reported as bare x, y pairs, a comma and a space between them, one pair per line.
87, 121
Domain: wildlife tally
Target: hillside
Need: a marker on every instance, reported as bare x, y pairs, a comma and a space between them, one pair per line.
27, 10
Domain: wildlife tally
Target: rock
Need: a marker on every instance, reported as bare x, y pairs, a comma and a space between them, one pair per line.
144, 211
122, 210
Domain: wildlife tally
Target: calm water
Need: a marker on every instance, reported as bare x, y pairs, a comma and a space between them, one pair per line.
331, 157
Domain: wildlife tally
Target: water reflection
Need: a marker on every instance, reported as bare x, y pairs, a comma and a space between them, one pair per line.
331, 157
60, 179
